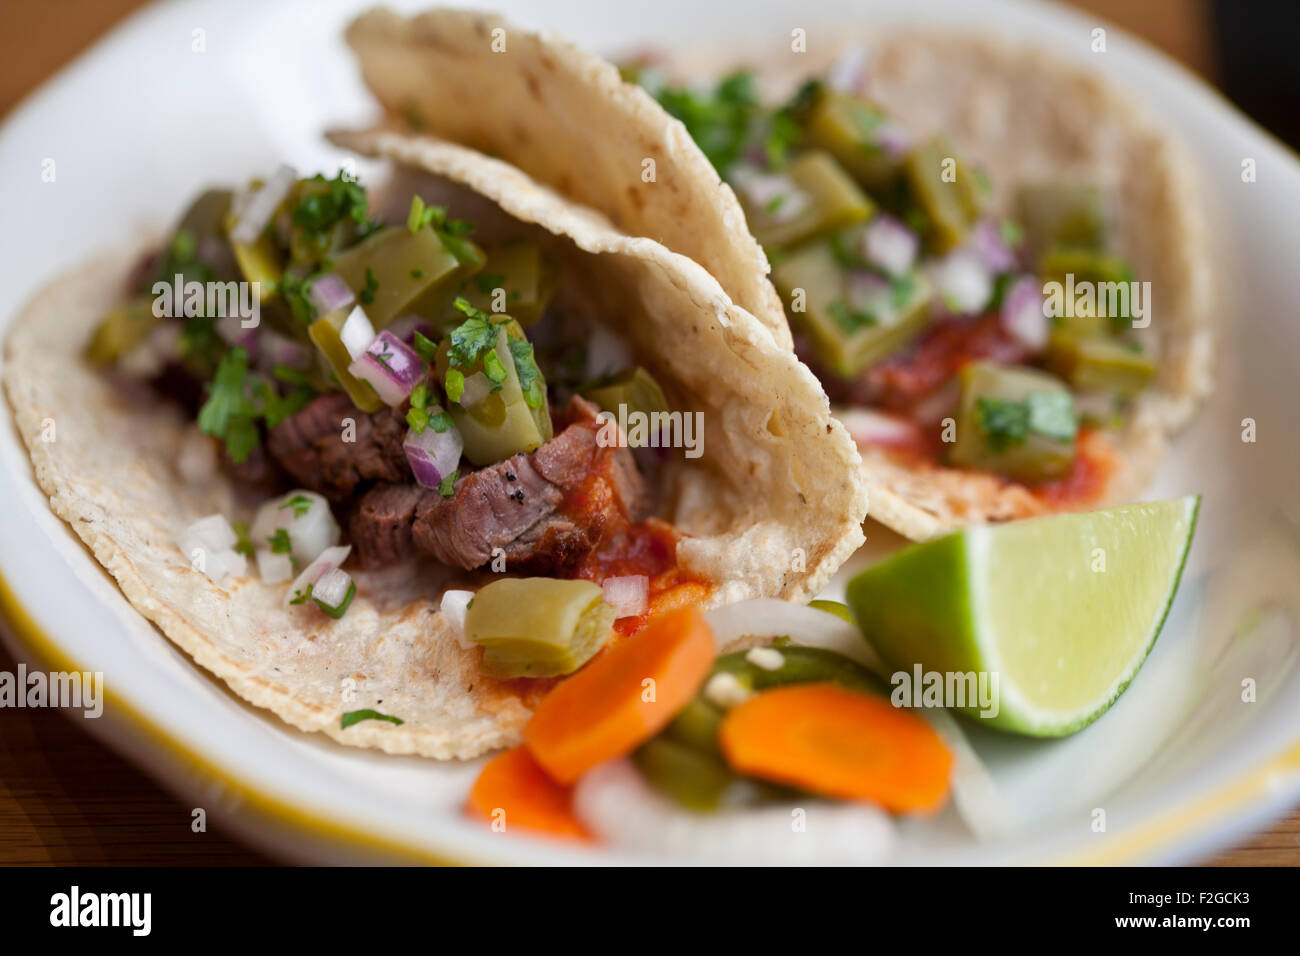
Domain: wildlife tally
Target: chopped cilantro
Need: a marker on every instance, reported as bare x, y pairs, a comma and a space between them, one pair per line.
338, 611
426, 349
244, 544
417, 418
454, 385
321, 209
301, 597
721, 121
300, 504
420, 395
530, 377
280, 541
472, 337
448, 231
440, 422
447, 487
229, 413
493, 368
1002, 421
417, 273
357, 716
367, 295
489, 281
850, 319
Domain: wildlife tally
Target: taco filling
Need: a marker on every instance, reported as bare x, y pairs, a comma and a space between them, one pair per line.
416, 394
955, 334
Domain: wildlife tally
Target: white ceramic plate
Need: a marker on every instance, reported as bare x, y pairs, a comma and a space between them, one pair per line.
1181, 765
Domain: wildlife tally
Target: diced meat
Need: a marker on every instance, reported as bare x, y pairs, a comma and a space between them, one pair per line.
380, 525
544, 510
310, 446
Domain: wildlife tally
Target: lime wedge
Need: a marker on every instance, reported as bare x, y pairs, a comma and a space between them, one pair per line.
1057, 613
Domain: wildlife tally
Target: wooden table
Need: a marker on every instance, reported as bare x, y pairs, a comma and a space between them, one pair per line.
64, 798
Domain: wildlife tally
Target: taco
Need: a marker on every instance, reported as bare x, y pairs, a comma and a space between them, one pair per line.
925, 198
994, 264
463, 392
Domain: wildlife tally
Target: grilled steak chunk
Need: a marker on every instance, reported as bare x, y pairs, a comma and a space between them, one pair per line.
309, 445
380, 526
544, 509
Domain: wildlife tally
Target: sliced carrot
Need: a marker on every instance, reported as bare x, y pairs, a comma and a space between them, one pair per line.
606, 709
838, 743
512, 789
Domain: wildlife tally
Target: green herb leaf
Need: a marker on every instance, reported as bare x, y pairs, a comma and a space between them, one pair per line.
357, 716
300, 504
530, 376
367, 295
426, 349
244, 544
447, 487
342, 608
439, 422
417, 418
1051, 414
280, 541
1003, 422
493, 368
454, 385
301, 597
229, 413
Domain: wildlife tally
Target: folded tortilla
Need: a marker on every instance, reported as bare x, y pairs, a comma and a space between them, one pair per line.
565, 117
772, 507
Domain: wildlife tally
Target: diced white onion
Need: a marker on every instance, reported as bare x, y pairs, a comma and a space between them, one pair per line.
357, 332
778, 195
1023, 313
272, 567
455, 604
329, 293
963, 282
607, 353
725, 691
256, 208
759, 620
888, 243
212, 541
866, 426
309, 533
331, 587
848, 74
628, 595
328, 560
196, 460
617, 805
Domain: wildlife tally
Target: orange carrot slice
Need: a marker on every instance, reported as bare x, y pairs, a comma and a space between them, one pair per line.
623, 697
511, 788
839, 743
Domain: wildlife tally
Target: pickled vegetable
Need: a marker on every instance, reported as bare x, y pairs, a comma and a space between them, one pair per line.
949, 194
538, 627
811, 197
854, 318
325, 333
694, 779
799, 665
635, 388
308, 243
258, 261
1100, 364
396, 271
522, 271
696, 725
514, 416
834, 607
1057, 214
846, 126
1018, 422
1107, 276
121, 330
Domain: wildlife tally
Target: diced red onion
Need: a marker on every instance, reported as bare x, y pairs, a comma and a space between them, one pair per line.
433, 455
1023, 313
329, 293
275, 349
477, 387
888, 243
868, 292
231, 329
257, 208
892, 138
331, 587
273, 567
357, 332
328, 560
405, 327
628, 595
939, 404
869, 427
455, 604
848, 74
761, 188
963, 281
391, 366
987, 243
